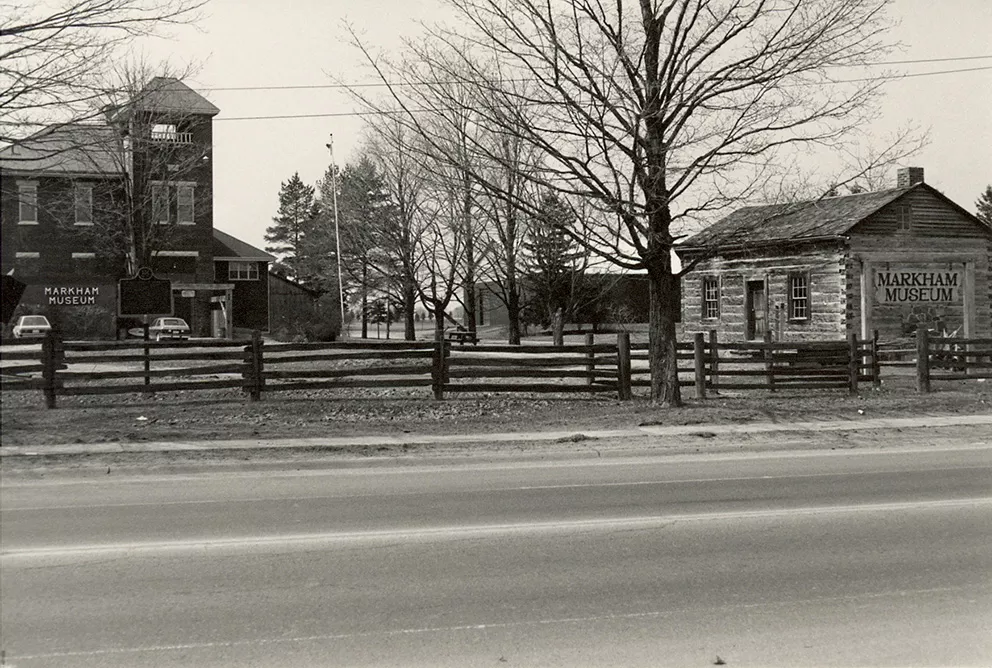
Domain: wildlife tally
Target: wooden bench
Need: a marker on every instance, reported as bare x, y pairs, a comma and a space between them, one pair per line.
462, 337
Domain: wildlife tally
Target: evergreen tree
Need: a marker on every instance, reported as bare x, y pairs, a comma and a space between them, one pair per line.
984, 206
293, 237
553, 263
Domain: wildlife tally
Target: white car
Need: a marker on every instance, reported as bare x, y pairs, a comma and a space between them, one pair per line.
32, 326
168, 328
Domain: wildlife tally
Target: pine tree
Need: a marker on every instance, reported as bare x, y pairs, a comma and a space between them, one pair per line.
984, 206
293, 236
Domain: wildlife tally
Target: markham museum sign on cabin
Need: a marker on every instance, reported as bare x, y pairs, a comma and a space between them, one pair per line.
904, 287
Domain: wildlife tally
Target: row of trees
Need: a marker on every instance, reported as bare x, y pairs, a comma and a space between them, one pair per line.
405, 246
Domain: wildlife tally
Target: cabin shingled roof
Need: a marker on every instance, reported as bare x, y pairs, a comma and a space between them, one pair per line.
794, 221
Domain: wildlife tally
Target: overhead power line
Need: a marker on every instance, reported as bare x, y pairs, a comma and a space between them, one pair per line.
398, 111
379, 84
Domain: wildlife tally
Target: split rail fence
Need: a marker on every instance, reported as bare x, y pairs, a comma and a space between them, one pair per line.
441, 368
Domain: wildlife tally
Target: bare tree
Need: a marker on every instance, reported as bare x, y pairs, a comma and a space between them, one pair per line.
55, 56
667, 111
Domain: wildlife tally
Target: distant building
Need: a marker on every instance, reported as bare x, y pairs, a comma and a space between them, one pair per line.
65, 195
893, 261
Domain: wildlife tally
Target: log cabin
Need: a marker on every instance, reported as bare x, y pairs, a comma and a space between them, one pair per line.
892, 260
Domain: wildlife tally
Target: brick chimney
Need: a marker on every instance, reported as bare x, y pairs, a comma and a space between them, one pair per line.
909, 176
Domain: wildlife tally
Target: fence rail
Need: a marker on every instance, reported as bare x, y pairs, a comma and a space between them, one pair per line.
257, 367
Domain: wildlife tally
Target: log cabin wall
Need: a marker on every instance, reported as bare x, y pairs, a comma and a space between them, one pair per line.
920, 261
823, 265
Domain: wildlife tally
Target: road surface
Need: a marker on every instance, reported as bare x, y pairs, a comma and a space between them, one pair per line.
791, 559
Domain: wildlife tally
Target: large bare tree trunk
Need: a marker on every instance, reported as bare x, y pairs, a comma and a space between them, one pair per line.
513, 314
664, 305
409, 297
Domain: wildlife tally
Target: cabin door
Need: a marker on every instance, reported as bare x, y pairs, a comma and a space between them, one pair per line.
755, 306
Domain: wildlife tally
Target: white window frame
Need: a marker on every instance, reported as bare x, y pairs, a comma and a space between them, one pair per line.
242, 271
84, 203
799, 304
711, 306
180, 191
27, 198
160, 196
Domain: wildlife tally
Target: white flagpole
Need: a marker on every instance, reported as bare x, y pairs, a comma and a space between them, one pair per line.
337, 231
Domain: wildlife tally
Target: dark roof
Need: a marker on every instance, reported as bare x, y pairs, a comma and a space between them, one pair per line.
167, 94
296, 285
74, 148
226, 247
795, 221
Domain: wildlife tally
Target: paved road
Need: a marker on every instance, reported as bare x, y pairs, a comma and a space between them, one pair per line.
789, 559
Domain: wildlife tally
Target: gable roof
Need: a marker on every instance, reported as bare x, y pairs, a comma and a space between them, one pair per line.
168, 94
73, 148
226, 247
796, 221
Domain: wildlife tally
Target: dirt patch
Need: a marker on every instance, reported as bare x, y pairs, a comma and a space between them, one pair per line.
227, 414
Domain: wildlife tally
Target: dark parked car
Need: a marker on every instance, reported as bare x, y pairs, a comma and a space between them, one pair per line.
32, 326
168, 328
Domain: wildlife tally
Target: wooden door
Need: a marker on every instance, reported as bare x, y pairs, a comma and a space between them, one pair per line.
756, 307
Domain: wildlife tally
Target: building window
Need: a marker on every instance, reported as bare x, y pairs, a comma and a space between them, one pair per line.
184, 205
242, 271
83, 263
904, 216
798, 296
711, 297
84, 204
160, 203
28, 264
27, 196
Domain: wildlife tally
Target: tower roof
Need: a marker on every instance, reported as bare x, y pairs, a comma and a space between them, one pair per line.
170, 95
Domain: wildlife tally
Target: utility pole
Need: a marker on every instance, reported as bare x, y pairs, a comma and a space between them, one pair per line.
337, 231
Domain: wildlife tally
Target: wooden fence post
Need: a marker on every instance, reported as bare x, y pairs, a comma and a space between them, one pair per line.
876, 364
48, 366
714, 362
257, 366
623, 366
922, 360
769, 361
853, 362
147, 356
438, 371
590, 359
699, 361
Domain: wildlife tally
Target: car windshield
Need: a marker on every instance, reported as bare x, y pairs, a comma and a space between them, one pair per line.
35, 321
173, 322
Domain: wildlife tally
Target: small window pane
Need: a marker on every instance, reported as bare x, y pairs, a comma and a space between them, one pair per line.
84, 205
243, 271
184, 204
711, 298
160, 204
798, 297
28, 196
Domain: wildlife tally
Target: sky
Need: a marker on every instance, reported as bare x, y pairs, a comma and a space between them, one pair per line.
254, 44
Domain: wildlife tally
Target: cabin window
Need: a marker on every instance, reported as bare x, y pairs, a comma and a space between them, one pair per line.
84, 204
242, 271
799, 296
904, 216
711, 297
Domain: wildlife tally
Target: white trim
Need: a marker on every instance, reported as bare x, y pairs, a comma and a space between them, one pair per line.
28, 222
235, 258
27, 183
176, 253
84, 256
173, 183
27, 255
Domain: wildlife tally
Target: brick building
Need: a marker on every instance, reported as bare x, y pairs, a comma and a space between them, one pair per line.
84, 205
